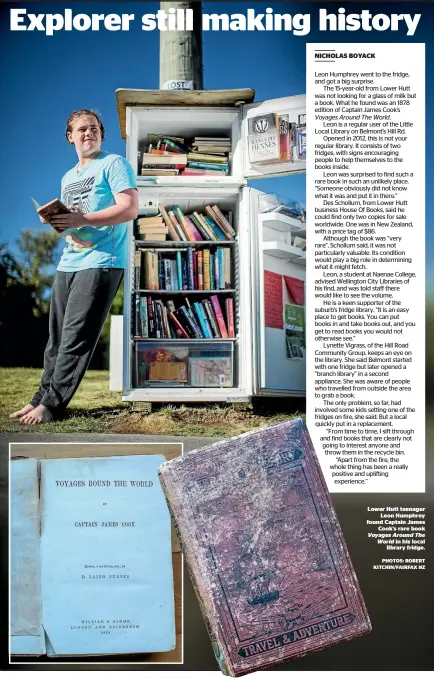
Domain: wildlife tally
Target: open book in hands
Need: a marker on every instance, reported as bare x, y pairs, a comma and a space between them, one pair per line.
49, 210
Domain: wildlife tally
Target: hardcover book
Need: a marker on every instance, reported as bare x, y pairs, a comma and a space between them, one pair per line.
91, 562
50, 210
264, 548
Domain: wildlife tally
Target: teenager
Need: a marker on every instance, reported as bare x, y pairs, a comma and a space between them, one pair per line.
101, 193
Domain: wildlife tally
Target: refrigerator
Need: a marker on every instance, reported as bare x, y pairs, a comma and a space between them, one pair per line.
266, 357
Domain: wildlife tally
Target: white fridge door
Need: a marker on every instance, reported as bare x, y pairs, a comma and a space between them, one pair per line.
279, 364
260, 140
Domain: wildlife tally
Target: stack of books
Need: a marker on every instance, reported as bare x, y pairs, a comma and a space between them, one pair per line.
151, 228
170, 156
176, 270
208, 155
164, 156
156, 319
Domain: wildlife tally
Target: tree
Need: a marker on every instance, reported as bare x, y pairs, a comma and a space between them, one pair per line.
37, 255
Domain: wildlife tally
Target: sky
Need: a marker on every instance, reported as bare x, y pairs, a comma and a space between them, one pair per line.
44, 78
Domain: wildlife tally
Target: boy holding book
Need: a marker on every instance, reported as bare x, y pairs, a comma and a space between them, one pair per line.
100, 192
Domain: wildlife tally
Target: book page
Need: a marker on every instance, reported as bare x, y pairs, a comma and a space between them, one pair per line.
25, 589
107, 584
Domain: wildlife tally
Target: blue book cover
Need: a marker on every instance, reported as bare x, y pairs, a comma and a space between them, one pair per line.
206, 165
205, 325
220, 255
219, 233
179, 271
106, 560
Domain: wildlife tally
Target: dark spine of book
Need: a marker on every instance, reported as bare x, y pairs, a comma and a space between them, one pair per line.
159, 321
188, 313
184, 321
195, 271
211, 317
167, 274
143, 318
151, 319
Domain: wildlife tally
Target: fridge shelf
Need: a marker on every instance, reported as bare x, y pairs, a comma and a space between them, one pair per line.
282, 250
186, 292
167, 244
281, 222
205, 341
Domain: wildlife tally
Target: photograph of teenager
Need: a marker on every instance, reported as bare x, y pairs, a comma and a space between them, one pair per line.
101, 193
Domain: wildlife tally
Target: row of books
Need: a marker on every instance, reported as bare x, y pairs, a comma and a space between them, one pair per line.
194, 227
175, 270
155, 319
169, 156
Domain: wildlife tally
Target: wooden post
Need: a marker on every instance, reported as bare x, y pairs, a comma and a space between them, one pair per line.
181, 51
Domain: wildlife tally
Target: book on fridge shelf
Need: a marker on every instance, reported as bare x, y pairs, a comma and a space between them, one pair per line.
264, 548
151, 270
90, 549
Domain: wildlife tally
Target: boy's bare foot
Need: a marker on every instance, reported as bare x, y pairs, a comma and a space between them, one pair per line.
39, 415
22, 412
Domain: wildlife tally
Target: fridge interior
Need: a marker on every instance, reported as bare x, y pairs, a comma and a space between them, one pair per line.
202, 357
186, 123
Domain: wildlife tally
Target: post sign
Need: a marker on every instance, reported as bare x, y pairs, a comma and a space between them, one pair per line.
178, 84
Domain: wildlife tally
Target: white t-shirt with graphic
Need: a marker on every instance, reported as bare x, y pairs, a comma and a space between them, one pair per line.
92, 189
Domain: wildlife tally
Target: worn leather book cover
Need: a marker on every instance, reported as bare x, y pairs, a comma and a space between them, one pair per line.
264, 548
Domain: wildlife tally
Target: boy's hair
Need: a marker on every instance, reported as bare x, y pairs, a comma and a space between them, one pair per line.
83, 111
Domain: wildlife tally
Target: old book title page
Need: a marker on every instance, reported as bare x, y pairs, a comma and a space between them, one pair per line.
106, 557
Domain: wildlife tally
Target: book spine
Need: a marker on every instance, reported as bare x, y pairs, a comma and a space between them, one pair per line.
229, 304
179, 271
191, 320
195, 270
195, 218
174, 274
158, 316
137, 269
185, 323
200, 259
210, 232
227, 268
163, 166
190, 280
220, 235
214, 300
151, 319
137, 323
167, 274
206, 165
167, 331
211, 318
212, 272
171, 229
197, 235
181, 234
223, 222
220, 268
200, 314
143, 318
173, 145
183, 223
179, 329
206, 267
151, 270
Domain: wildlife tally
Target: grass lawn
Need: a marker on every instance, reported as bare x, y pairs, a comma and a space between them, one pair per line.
94, 409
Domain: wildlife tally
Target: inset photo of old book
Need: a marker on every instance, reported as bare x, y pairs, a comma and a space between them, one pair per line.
95, 566
264, 548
